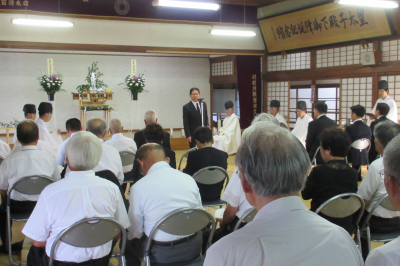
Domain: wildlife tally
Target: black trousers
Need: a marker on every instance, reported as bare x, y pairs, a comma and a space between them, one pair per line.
16, 207
378, 225
192, 144
354, 166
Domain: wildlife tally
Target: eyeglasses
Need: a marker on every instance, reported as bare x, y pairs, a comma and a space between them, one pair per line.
382, 174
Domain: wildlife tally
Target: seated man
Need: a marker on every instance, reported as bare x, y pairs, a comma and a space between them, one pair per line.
79, 195
30, 161
382, 109
153, 133
273, 166
72, 126
274, 106
358, 130
5, 149
161, 191
110, 159
203, 157
45, 114
389, 254
149, 118
120, 142
372, 188
229, 135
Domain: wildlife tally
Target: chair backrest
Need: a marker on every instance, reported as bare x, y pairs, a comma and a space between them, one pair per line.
185, 155
247, 217
314, 160
211, 175
184, 221
361, 144
30, 185
343, 205
127, 157
89, 233
384, 202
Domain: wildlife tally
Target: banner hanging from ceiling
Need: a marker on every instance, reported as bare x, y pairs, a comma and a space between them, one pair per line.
326, 24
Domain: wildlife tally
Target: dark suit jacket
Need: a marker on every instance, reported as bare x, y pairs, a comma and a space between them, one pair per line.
372, 152
204, 157
358, 130
192, 118
137, 174
140, 140
315, 127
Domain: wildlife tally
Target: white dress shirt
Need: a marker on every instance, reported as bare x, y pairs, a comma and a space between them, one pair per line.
281, 119
234, 195
29, 161
45, 135
110, 160
62, 155
122, 143
5, 149
301, 128
42, 145
285, 232
372, 188
392, 115
79, 195
386, 255
160, 192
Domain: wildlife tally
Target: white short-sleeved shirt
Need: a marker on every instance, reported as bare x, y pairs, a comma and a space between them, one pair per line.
372, 188
29, 161
122, 143
62, 155
42, 145
45, 135
234, 195
285, 232
5, 149
110, 160
386, 255
160, 192
79, 195
301, 128
280, 118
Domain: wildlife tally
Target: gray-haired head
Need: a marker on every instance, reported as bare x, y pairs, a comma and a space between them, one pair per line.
96, 126
391, 158
385, 131
84, 150
266, 118
150, 117
273, 160
115, 126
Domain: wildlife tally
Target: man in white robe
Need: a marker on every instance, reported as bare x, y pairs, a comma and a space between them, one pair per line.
383, 91
229, 136
301, 128
45, 113
274, 110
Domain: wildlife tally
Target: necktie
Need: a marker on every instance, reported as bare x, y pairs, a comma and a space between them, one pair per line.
198, 108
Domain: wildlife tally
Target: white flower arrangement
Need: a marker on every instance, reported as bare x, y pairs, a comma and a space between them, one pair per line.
135, 84
51, 83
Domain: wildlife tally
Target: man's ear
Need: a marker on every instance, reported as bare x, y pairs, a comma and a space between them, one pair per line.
167, 159
140, 162
245, 184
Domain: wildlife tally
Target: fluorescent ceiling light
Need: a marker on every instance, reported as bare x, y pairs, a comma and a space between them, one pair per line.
372, 3
44, 23
185, 4
246, 33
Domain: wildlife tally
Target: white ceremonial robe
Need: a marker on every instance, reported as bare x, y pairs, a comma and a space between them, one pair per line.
392, 115
281, 119
5, 149
45, 135
301, 128
229, 136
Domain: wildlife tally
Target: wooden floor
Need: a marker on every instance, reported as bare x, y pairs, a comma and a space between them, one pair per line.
17, 226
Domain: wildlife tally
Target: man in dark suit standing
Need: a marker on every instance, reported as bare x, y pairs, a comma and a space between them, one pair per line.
382, 110
149, 118
192, 115
358, 130
206, 156
153, 133
320, 122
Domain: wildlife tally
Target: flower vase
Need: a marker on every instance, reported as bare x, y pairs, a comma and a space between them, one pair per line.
134, 96
51, 97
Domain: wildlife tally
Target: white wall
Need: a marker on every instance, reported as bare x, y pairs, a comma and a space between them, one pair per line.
109, 32
168, 80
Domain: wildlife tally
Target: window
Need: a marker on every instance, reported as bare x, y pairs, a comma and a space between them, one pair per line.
299, 93
330, 94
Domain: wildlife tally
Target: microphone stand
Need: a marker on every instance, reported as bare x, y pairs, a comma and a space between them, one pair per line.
201, 111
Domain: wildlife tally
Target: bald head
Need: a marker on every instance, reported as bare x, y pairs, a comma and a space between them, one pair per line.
115, 126
149, 154
150, 117
27, 133
97, 127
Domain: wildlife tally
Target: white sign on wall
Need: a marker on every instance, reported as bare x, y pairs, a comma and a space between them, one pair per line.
50, 69
133, 67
